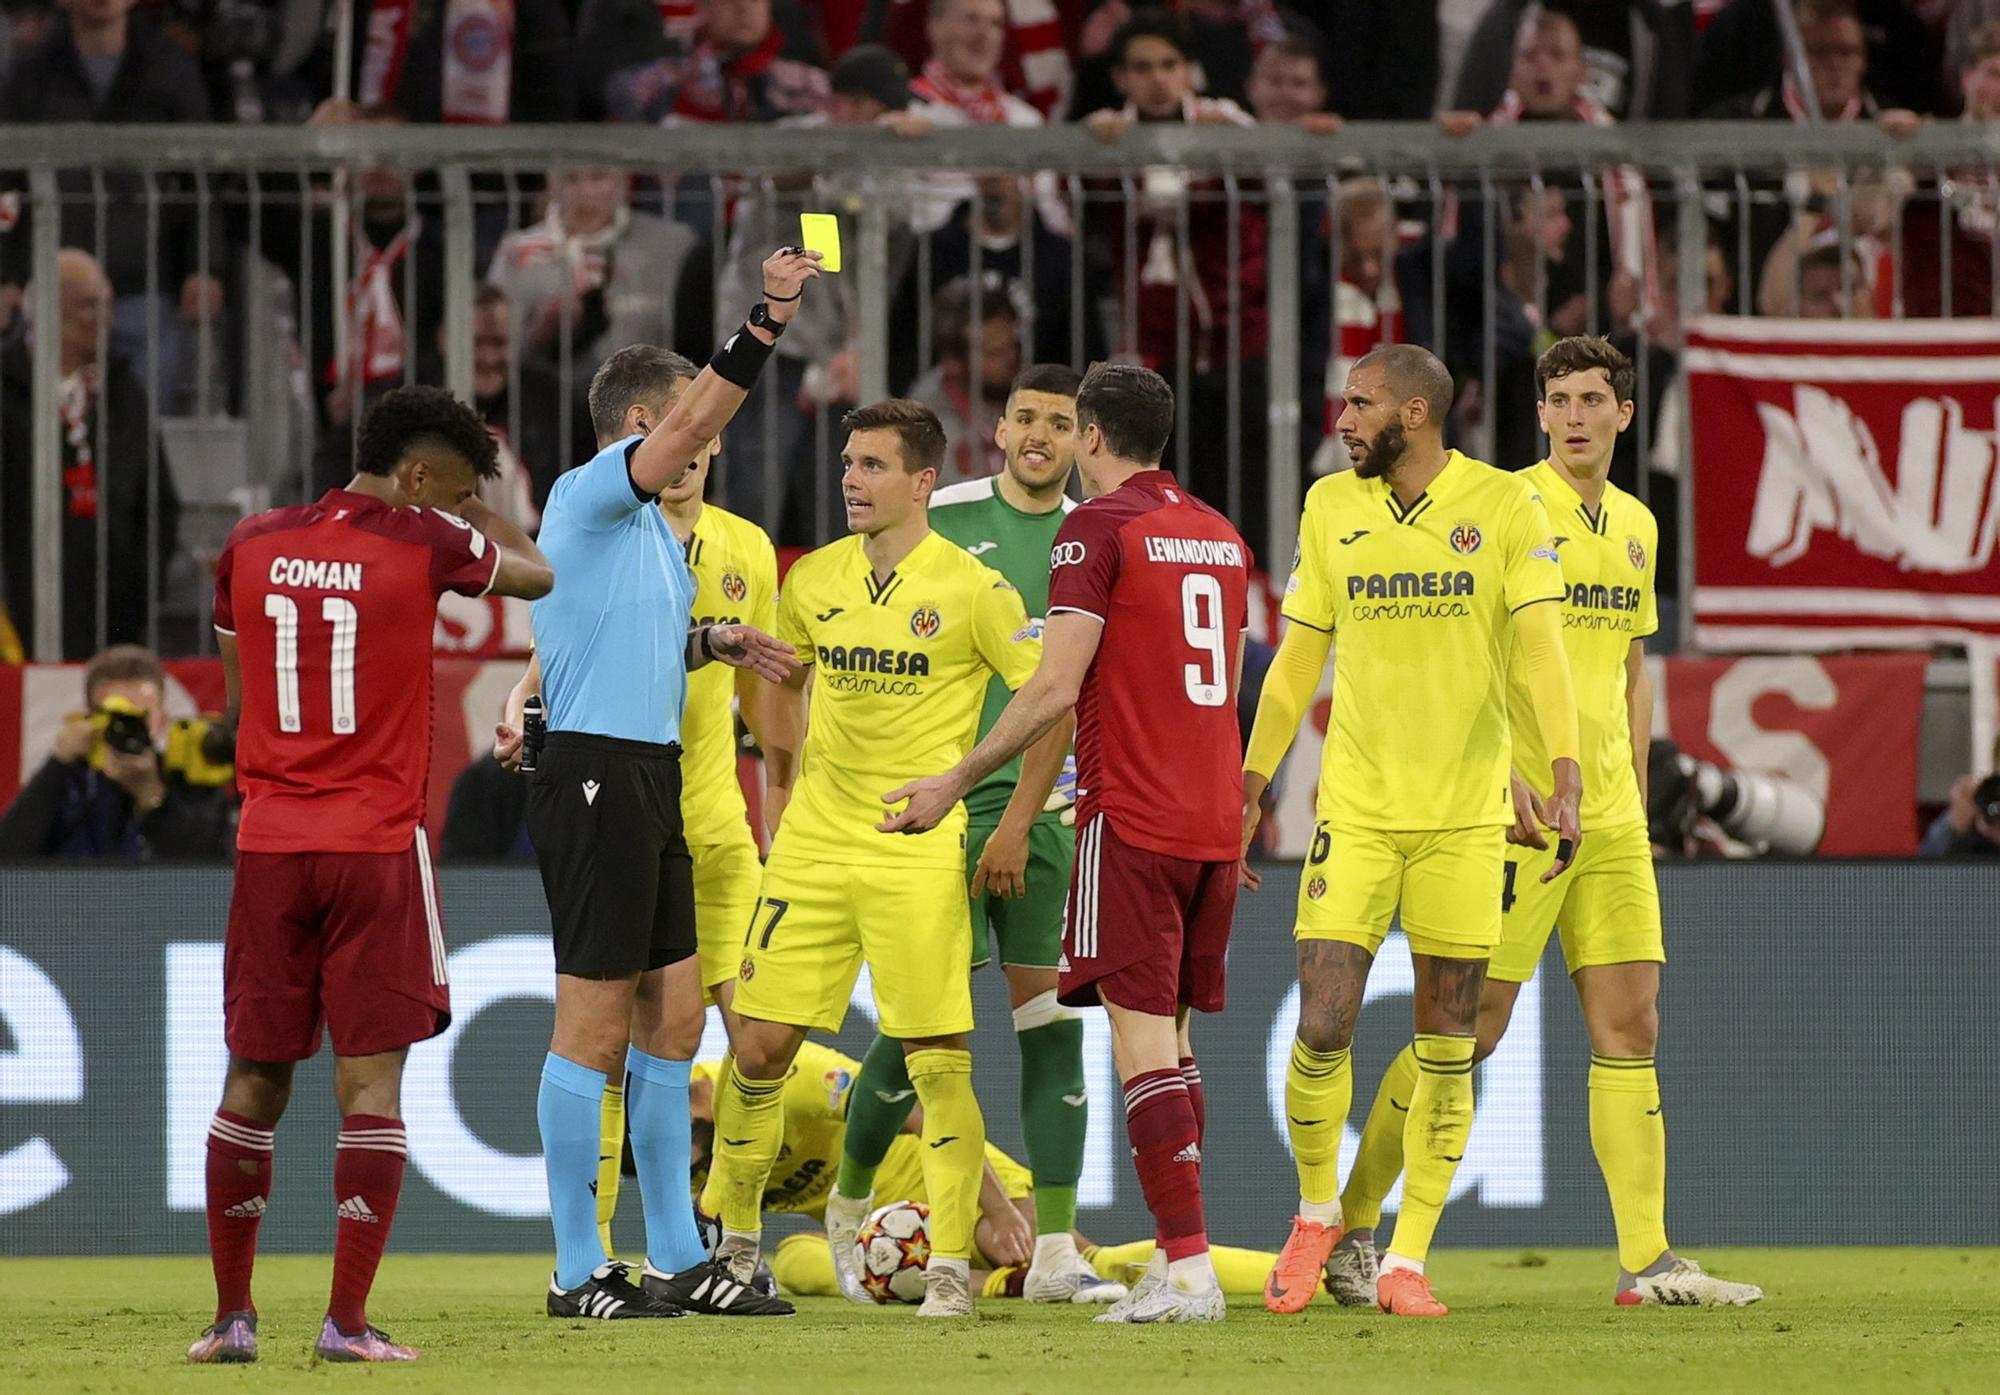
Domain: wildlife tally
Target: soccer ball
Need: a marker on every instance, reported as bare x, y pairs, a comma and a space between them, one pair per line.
892, 1248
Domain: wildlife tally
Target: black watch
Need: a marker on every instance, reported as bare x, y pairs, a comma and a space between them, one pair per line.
760, 318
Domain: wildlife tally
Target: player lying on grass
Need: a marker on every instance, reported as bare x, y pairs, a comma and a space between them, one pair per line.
817, 1100
1608, 907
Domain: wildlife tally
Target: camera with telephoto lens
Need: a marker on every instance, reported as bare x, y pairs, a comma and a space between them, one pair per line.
1986, 799
1768, 812
122, 727
199, 750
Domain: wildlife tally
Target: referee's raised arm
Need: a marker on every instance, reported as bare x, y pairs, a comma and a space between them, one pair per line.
706, 405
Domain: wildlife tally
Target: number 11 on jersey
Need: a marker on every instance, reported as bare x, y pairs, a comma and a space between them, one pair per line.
340, 613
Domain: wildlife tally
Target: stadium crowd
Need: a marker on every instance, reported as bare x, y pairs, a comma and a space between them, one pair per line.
163, 316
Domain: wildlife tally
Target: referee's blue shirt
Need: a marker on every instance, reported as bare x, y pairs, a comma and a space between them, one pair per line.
612, 635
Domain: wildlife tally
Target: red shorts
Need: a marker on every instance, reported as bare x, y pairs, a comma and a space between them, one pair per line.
1143, 930
352, 942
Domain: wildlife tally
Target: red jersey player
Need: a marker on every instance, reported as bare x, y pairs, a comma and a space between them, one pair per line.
1148, 598
324, 612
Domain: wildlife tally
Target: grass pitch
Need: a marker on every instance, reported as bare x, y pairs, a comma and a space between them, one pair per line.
1851, 1321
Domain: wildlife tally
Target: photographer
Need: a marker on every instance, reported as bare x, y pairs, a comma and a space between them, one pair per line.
1970, 824
123, 781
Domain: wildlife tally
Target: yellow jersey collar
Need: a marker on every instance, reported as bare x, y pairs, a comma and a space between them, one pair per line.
1564, 503
1442, 488
879, 594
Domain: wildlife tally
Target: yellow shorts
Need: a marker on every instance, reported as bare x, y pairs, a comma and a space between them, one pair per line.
814, 924
1607, 906
1446, 883
901, 1178
726, 879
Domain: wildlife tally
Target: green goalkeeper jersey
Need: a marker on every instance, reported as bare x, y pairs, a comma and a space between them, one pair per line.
1017, 545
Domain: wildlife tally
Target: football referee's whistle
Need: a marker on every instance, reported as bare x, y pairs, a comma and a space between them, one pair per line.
533, 727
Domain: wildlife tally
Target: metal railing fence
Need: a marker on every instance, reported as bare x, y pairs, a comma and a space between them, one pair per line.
1240, 261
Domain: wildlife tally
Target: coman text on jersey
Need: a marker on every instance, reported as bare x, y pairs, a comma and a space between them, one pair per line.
315, 575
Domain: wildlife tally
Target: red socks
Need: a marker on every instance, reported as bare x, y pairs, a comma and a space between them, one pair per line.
1160, 1124
239, 1184
1191, 1073
367, 1179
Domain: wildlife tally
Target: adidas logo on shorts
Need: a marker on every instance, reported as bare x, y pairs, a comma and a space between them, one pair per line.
1062, 964
247, 1210
355, 1209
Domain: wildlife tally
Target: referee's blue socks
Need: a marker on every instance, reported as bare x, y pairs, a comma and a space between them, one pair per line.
568, 1109
656, 1104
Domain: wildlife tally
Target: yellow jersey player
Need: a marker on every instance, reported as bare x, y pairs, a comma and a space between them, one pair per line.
818, 1099
900, 631
1608, 907
1431, 568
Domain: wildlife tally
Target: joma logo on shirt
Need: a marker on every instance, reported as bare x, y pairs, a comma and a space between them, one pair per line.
1396, 586
1586, 597
864, 658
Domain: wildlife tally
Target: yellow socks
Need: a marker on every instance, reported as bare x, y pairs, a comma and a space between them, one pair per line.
1319, 1092
610, 1157
1434, 1134
1380, 1160
1629, 1136
749, 1130
954, 1140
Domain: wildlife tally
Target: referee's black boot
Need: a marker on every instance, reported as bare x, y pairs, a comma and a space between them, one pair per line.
609, 1293
712, 1287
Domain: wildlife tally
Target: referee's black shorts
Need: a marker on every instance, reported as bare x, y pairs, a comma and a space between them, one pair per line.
605, 816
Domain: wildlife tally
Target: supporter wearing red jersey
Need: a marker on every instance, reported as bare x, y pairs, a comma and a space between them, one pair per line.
1148, 599
324, 612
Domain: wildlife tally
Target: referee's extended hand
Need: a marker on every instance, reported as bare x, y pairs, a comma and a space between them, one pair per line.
931, 798
746, 646
786, 272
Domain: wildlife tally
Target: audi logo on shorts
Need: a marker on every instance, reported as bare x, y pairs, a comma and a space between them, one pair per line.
1065, 554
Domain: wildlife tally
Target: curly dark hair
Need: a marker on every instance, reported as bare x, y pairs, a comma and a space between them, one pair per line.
410, 417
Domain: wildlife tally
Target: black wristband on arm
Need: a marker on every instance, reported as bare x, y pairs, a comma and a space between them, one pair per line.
741, 358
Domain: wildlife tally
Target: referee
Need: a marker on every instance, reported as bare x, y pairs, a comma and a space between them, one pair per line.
604, 808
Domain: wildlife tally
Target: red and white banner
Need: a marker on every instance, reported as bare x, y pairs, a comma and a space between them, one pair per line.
1845, 728
1846, 486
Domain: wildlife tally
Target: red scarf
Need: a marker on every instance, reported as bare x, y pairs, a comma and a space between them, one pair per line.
718, 86
1041, 53
376, 342
478, 58
77, 392
984, 102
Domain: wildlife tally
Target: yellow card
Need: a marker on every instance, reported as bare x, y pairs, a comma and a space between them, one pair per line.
822, 235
